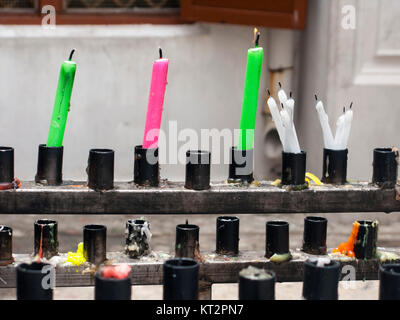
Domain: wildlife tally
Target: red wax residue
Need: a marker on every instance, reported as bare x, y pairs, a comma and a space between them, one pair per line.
347, 248
119, 271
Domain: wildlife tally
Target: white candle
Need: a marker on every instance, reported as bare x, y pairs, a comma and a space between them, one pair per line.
348, 118
282, 95
291, 142
339, 133
273, 108
326, 129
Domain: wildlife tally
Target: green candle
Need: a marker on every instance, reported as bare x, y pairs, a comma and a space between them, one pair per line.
62, 103
250, 95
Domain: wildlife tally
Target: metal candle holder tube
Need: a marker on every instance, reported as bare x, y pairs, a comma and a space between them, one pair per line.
187, 240
321, 282
95, 243
334, 169
241, 166
389, 282
46, 238
277, 238
5, 245
385, 167
198, 165
256, 284
293, 168
367, 237
49, 168
227, 235
181, 279
100, 169
314, 237
146, 170
35, 281
137, 238
111, 289
6, 164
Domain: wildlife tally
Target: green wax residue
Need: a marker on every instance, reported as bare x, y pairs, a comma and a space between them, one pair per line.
250, 98
61, 104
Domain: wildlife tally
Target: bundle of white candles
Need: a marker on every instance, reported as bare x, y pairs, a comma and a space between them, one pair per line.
284, 121
343, 127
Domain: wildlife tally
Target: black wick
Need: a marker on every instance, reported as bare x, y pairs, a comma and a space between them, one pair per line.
256, 41
316, 98
351, 104
269, 93
160, 52
290, 94
344, 109
282, 105
280, 86
71, 54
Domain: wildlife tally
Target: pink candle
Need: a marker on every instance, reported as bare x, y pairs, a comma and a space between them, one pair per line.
156, 101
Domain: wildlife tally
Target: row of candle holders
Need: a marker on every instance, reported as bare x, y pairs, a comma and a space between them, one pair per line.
137, 239
100, 167
181, 273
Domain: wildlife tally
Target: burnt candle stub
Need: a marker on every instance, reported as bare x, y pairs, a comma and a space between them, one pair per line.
100, 169
146, 170
137, 238
6, 164
334, 168
314, 237
46, 238
277, 238
227, 235
241, 166
367, 237
385, 167
180, 279
49, 168
198, 164
112, 285
389, 282
187, 240
321, 279
94, 243
5, 245
35, 281
293, 168
256, 284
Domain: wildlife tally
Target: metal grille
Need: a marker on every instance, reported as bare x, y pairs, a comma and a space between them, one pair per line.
136, 4
17, 4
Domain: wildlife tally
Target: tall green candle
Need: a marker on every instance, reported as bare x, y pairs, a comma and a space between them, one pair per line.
250, 95
62, 103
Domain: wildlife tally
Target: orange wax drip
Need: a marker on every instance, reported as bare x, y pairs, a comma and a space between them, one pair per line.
347, 248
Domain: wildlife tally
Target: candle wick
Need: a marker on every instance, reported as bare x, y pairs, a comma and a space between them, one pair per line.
71, 54
344, 109
282, 105
290, 94
280, 85
269, 93
316, 98
257, 39
160, 52
351, 105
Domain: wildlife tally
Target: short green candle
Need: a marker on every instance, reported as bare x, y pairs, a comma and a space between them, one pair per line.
250, 96
62, 103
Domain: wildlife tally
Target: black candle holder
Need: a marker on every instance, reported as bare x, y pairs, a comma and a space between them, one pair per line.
111, 288
227, 235
46, 238
6, 246
181, 279
95, 243
277, 238
198, 164
385, 167
187, 241
256, 284
294, 168
49, 168
146, 170
334, 168
241, 166
314, 237
31, 281
100, 169
137, 238
321, 282
389, 282
6, 164
367, 237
